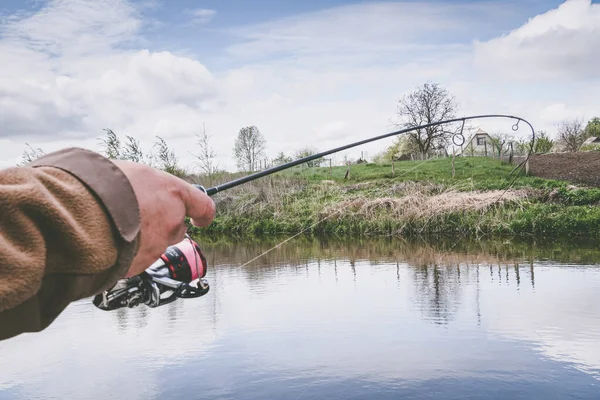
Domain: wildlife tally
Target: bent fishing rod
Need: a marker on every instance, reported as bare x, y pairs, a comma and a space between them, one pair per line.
172, 276
458, 136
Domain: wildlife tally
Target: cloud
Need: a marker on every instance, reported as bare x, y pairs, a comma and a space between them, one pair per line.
67, 78
382, 29
74, 27
323, 78
202, 15
563, 43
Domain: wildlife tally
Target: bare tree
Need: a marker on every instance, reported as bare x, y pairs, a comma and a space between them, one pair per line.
571, 134
428, 104
501, 143
207, 153
31, 155
111, 144
249, 147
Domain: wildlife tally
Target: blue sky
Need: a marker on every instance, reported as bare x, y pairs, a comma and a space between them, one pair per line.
169, 23
306, 73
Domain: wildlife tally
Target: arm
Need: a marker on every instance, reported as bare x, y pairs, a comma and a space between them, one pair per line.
70, 225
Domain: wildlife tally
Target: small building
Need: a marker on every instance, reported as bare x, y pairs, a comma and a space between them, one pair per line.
480, 143
595, 141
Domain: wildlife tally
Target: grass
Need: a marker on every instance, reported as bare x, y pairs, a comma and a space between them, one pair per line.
471, 173
420, 198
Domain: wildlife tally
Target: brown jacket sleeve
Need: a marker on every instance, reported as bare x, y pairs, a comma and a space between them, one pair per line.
69, 226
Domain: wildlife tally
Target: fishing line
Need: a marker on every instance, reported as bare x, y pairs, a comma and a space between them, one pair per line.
315, 224
290, 238
458, 136
173, 272
515, 128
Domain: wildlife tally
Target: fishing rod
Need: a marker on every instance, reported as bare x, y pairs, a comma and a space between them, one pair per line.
236, 182
180, 271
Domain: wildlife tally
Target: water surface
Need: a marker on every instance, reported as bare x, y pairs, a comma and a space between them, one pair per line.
359, 319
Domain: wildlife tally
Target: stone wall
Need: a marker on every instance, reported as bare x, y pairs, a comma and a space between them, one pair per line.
582, 168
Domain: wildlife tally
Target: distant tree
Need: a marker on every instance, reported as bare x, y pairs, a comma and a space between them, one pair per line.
403, 146
31, 155
167, 159
281, 159
206, 156
571, 134
428, 104
592, 129
249, 148
501, 143
306, 152
542, 144
111, 145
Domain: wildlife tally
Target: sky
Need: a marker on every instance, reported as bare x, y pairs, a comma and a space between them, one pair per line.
306, 73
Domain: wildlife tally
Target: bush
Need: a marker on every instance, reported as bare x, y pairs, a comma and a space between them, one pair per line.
590, 147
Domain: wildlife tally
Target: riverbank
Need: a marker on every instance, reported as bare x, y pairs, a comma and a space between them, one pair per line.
415, 199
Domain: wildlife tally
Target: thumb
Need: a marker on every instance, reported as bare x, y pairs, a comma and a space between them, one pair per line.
198, 205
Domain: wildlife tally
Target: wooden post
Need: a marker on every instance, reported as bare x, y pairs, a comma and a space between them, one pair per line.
485, 147
393, 170
330, 167
453, 172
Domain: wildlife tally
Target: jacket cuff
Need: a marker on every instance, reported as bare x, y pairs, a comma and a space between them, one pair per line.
110, 185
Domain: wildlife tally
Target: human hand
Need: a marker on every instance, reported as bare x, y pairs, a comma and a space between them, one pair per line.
164, 202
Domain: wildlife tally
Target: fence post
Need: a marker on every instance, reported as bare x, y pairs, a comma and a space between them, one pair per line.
453, 172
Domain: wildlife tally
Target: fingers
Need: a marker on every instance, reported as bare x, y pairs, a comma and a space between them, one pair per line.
199, 206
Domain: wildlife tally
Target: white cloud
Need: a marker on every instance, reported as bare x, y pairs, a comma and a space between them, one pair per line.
324, 78
202, 15
74, 27
67, 78
563, 43
363, 30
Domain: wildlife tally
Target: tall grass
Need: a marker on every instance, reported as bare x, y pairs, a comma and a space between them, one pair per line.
374, 203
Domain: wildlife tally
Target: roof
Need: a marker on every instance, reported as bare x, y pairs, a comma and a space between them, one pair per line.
481, 132
591, 140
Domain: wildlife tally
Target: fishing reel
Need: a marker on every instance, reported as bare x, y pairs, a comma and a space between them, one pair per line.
166, 280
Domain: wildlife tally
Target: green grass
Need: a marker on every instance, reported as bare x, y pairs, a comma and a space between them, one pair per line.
477, 173
296, 199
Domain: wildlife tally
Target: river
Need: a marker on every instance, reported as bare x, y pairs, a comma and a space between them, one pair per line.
336, 319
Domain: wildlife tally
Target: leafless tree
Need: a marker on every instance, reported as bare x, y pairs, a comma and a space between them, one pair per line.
428, 104
207, 154
571, 134
501, 143
249, 148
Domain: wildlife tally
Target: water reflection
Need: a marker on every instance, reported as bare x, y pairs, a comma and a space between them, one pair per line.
338, 319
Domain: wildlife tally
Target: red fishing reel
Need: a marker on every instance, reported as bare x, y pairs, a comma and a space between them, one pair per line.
178, 273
